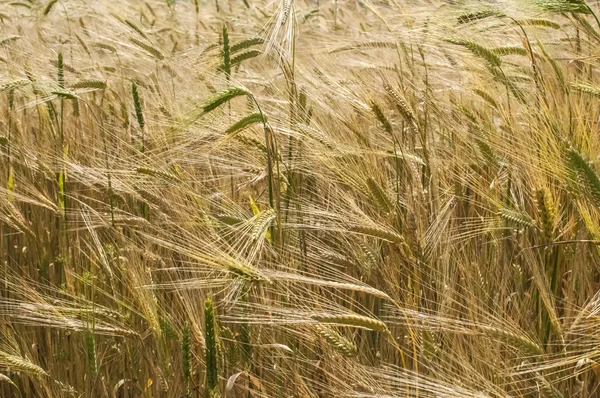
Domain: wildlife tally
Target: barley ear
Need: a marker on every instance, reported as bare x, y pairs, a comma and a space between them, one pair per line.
212, 376
60, 71
245, 337
387, 126
245, 122
246, 44
149, 48
49, 6
351, 320
585, 177
337, 341
20, 364
545, 213
477, 49
516, 217
138, 110
222, 98
89, 343
226, 53
186, 354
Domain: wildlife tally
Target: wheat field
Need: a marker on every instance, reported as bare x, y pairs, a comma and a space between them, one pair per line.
299, 198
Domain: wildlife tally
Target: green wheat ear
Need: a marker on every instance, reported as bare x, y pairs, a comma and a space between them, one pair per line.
222, 98
186, 353
241, 58
387, 126
584, 175
49, 6
560, 6
379, 194
212, 376
245, 338
545, 213
245, 122
139, 114
478, 15
477, 49
246, 43
547, 23
226, 53
149, 48
60, 71
89, 341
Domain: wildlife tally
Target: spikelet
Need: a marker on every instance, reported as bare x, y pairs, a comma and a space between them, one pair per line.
519, 218
337, 341
212, 375
379, 195
555, 66
486, 97
261, 223
20, 4
521, 342
222, 98
545, 213
587, 26
10, 184
243, 271
287, 6
540, 22
402, 106
564, 6
136, 28
477, 49
90, 83
509, 50
7, 379
60, 71
9, 40
585, 176
139, 114
380, 233
166, 327
156, 200
89, 345
226, 53
245, 342
478, 15
64, 93
368, 257
186, 353
387, 126
20, 364
17, 219
149, 48
229, 220
367, 45
163, 385
105, 46
246, 44
250, 142
353, 320
244, 56
158, 173
245, 122
586, 88
548, 389
49, 6
11, 85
